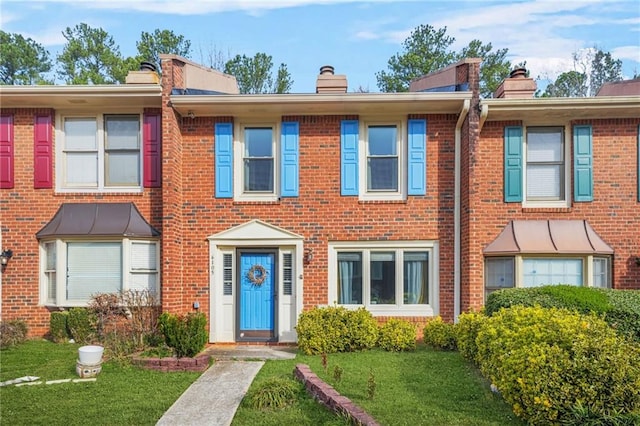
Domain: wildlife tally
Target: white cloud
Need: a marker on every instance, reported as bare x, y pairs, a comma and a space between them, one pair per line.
627, 52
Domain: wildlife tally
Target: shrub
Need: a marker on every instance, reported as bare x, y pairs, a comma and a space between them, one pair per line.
12, 333
466, 331
439, 334
397, 335
58, 326
185, 334
548, 362
620, 308
82, 325
336, 329
277, 392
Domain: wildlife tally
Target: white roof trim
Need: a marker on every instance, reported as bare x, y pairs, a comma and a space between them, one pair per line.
255, 230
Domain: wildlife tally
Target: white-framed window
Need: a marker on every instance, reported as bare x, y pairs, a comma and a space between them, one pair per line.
256, 162
383, 160
534, 271
99, 152
546, 168
96, 266
388, 278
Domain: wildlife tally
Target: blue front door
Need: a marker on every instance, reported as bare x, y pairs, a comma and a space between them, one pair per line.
257, 283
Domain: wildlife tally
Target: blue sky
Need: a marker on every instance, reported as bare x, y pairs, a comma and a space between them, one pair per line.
356, 37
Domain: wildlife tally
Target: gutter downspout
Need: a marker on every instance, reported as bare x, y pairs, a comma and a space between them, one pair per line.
456, 211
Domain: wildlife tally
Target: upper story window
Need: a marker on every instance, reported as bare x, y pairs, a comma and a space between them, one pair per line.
256, 162
382, 158
545, 164
258, 159
537, 166
101, 152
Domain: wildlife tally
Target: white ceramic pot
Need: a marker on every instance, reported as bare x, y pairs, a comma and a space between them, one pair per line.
90, 355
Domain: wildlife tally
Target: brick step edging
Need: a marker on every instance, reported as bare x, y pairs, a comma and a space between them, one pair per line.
198, 363
328, 396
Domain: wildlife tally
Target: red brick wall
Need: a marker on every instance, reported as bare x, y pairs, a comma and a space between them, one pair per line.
320, 213
614, 213
25, 210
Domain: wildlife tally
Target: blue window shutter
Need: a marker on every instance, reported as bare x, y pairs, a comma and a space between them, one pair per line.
582, 164
289, 159
224, 160
513, 164
417, 164
349, 157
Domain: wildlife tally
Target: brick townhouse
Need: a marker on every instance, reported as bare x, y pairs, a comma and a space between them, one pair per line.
253, 208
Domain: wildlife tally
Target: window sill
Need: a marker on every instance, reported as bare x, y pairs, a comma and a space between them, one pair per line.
549, 209
395, 310
110, 191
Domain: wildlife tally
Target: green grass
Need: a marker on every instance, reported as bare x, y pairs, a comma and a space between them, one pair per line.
122, 395
421, 387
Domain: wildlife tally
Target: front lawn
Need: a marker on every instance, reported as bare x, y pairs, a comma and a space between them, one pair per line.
122, 395
421, 387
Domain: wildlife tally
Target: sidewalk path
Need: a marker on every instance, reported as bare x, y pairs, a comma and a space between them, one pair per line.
214, 397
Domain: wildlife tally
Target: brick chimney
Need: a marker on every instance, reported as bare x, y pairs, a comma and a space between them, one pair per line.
517, 86
328, 82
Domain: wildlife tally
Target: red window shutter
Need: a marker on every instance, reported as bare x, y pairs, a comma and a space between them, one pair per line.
6, 151
152, 151
42, 152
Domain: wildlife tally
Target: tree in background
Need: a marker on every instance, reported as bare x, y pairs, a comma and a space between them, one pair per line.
427, 50
212, 57
22, 60
592, 68
90, 56
151, 45
494, 68
254, 75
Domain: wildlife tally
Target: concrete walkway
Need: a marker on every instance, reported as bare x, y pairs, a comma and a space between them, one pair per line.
214, 397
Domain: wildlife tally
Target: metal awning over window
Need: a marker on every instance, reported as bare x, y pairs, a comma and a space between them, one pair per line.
98, 220
548, 237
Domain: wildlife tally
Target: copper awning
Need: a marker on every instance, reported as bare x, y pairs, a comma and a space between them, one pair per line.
98, 220
548, 237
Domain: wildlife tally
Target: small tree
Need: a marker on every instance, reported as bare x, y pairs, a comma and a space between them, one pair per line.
254, 74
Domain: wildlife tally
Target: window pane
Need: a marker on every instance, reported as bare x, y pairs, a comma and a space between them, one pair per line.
601, 272
382, 140
544, 181
122, 132
143, 256
537, 272
50, 271
50, 248
350, 278
383, 278
123, 168
499, 272
82, 169
93, 268
143, 282
544, 145
80, 134
416, 279
382, 173
258, 142
258, 175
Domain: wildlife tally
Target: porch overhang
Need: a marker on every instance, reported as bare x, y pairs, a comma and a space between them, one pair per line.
98, 220
547, 237
319, 104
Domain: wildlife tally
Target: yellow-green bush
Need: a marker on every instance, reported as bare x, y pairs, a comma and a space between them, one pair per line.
466, 331
439, 334
547, 363
397, 335
336, 329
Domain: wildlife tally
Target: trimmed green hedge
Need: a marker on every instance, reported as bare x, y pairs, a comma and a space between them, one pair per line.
619, 308
336, 329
